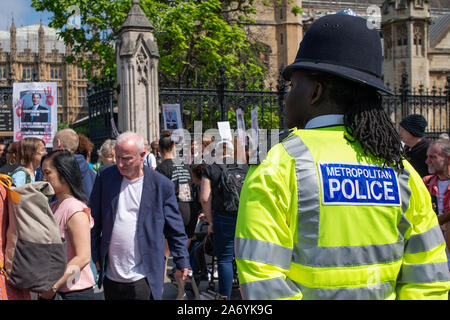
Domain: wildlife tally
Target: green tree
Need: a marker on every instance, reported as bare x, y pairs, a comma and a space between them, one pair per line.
194, 37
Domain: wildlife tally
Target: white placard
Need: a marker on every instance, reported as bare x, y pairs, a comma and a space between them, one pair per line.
240, 124
254, 114
35, 109
255, 127
114, 130
224, 130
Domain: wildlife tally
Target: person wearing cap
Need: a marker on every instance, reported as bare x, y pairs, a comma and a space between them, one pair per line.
222, 222
412, 132
334, 211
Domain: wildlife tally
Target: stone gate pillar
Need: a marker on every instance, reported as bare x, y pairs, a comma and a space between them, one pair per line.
137, 75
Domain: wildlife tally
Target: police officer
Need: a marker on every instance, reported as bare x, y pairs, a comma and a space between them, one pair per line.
334, 211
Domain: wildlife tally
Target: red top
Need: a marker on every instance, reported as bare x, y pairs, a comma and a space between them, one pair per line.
432, 185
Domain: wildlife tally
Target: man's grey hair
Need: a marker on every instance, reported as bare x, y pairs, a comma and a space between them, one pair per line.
106, 147
444, 144
130, 135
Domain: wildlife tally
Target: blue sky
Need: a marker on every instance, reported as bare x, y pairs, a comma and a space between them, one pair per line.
23, 13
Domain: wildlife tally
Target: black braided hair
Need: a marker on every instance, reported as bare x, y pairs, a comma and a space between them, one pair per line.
365, 120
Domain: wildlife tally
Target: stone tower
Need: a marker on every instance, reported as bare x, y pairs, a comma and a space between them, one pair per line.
279, 29
404, 26
137, 75
13, 49
289, 30
41, 52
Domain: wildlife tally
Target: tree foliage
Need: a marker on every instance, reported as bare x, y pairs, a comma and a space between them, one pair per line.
194, 37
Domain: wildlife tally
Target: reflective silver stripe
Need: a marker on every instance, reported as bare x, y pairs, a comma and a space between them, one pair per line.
422, 273
347, 256
405, 194
379, 291
306, 250
403, 226
270, 289
308, 191
262, 251
425, 241
405, 191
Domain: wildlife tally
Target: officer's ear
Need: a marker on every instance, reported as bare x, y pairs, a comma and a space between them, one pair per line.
317, 93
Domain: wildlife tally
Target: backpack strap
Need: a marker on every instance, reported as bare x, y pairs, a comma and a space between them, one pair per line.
2, 269
222, 167
6, 181
146, 161
27, 175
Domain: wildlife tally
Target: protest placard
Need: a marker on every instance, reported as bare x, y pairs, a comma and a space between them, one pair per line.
35, 111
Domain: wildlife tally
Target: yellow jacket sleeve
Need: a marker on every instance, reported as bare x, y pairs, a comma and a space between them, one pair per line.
424, 273
265, 229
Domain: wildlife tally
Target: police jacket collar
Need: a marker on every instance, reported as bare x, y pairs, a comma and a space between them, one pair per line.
325, 121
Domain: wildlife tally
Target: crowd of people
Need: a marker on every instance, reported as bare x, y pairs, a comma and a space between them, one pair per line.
334, 211
135, 204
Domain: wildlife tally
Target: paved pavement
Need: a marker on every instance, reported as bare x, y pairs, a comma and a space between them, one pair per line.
171, 291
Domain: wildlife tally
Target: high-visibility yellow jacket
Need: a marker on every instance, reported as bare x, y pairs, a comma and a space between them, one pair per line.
318, 219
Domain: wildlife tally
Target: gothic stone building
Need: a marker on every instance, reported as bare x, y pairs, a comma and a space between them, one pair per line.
415, 43
416, 35
35, 53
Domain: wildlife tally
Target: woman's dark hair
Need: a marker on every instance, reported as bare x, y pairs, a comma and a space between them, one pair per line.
85, 146
165, 142
197, 169
364, 118
68, 168
13, 148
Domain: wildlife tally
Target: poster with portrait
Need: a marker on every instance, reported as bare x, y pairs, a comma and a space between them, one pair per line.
172, 117
172, 122
35, 111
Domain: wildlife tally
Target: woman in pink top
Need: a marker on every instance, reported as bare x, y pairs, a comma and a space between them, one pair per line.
61, 170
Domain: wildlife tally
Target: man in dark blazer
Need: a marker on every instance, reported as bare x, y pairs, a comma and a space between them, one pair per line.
36, 114
134, 210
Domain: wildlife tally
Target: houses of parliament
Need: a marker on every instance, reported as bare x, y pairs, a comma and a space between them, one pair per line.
415, 34
35, 53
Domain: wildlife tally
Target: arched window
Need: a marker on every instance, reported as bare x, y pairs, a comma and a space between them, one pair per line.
418, 35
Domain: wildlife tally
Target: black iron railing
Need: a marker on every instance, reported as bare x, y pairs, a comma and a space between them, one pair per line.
101, 101
218, 99
433, 104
